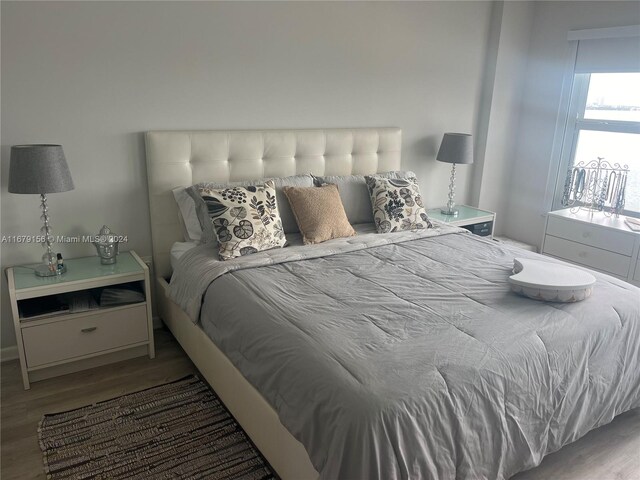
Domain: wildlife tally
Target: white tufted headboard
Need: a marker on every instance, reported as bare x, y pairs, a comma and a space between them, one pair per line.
182, 158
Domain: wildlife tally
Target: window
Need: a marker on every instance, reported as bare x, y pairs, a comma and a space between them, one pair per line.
604, 121
600, 114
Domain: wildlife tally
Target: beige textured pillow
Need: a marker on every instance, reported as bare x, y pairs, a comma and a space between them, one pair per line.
319, 213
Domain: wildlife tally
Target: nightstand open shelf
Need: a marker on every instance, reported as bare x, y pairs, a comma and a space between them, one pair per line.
477, 221
79, 302
64, 338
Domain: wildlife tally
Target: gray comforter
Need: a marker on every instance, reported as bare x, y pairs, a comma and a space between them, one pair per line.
414, 360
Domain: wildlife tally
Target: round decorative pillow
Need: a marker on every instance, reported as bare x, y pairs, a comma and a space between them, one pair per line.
550, 282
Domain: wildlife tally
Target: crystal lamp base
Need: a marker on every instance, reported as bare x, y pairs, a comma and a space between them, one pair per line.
43, 271
447, 211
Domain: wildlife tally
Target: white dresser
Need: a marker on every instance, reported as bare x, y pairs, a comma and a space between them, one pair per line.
594, 240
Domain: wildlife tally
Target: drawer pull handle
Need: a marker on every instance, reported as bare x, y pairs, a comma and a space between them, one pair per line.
88, 329
582, 254
586, 234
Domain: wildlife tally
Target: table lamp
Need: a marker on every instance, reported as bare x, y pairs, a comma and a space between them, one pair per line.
41, 169
455, 148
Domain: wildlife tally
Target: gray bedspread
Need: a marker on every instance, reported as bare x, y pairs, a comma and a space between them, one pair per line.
414, 360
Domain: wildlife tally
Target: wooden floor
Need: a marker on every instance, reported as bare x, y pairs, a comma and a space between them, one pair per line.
611, 452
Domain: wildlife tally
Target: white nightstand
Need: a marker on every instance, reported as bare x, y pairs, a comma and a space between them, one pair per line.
473, 219
56, 335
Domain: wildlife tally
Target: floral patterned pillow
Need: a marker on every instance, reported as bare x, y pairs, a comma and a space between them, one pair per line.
245, 219
397, 204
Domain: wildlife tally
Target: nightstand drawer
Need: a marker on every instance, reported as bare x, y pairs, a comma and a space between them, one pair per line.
85, 335
617, 242
597, 258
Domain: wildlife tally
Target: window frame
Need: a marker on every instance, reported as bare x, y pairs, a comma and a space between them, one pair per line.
574, 125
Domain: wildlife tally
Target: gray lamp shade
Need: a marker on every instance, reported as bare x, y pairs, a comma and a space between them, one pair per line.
39, 169
456, 148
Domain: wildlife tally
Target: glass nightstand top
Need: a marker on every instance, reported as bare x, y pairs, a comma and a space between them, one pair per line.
83, 268
464, 213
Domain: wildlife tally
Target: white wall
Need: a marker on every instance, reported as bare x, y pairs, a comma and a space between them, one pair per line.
501, 107
548, 56
93, 76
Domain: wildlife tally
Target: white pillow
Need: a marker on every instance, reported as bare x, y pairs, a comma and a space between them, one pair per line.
191, 228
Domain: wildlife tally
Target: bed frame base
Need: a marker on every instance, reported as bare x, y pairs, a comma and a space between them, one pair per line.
258, 419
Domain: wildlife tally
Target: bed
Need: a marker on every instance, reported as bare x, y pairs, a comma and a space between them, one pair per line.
454, 377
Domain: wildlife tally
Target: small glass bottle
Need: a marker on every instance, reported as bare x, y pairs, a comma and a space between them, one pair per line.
60, 263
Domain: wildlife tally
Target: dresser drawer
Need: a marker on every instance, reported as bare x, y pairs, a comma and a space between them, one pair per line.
636, 275
597, 258
607, 239
91, 333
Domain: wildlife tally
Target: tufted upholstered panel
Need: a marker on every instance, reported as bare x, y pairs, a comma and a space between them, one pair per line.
182, 158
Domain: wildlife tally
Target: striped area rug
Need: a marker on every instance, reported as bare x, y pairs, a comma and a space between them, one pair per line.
176, 430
